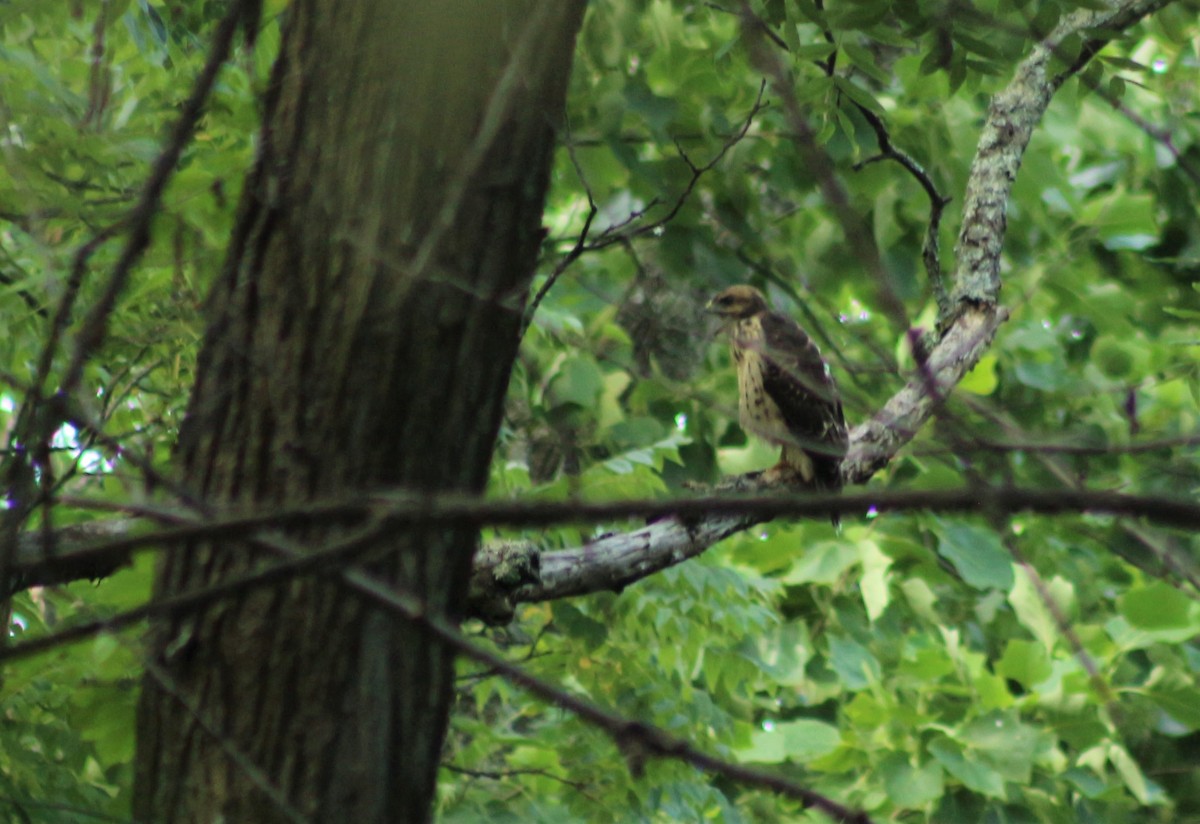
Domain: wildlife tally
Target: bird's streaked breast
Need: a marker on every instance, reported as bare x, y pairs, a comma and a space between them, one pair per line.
757, 412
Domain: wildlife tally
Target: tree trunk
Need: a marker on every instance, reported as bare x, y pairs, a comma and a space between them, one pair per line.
361, 335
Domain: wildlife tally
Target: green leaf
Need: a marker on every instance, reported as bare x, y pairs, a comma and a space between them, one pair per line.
1116, 88
1031, 609
1158, 606
911, 786
974, 774
927, 665
1087, 782
813, 51
1005, 743
1122, 220
106, 718
982, 379
1048, 376
621, 478
1181, 703
921, 599
822, 564
977, 554
578, 381
1115, 358
806, 740
1128, 637
867, 711
637, 431
1131, 773
1185, 314
874, 584
858, 94
800, 741
1026, 662
854, 663
609, 413
865, 60
578, 625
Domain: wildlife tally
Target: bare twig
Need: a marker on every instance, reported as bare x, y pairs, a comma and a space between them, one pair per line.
576, 250
500, 775
818, 162
1103, 690
678, 529
888, 151
71, 413
937, 203
94, 327
339, 551
1160, 134
1061, 447
637, 740
629, 228
626, 230
39, 419
830, 62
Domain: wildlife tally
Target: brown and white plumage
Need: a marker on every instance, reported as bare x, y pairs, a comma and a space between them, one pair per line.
786, 395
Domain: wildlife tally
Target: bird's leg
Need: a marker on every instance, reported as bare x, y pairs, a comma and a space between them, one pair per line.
795, 468
781, 473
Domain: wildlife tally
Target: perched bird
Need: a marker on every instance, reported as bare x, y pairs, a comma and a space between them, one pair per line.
786, 395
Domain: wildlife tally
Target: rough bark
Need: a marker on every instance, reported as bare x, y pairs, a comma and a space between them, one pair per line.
360, 336
1012, 116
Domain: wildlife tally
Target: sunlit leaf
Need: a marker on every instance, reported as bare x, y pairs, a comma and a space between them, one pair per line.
800, 741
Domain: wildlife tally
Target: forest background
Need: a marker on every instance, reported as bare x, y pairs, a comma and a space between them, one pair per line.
1004, 628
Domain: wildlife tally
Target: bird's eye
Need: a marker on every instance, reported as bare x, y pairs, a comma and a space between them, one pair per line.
725, 300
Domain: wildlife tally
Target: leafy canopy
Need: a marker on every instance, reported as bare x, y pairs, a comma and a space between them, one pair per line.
915, 666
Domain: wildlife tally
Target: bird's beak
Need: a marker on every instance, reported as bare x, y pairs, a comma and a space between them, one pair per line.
722, 326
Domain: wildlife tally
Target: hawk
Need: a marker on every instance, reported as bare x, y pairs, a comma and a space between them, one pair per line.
786, 395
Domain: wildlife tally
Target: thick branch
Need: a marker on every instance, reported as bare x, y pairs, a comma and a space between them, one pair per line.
874, 442
507, 573
1012, 116
91, 550
639, 742
967, 325
513, 573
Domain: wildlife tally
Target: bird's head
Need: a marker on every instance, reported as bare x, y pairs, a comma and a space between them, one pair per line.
737, 302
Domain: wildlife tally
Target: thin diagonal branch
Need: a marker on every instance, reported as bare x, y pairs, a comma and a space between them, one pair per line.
95, 325
628, 229
577, 249
676, 530
858, 236
930, 256
637, 740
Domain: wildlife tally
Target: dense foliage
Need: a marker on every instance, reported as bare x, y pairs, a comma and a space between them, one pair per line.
90, 92
921, 667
